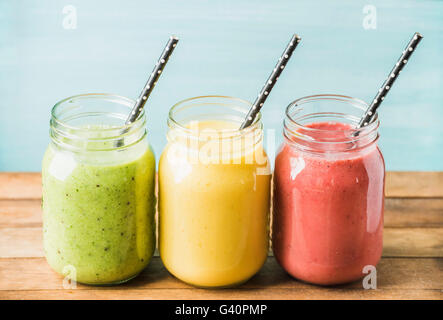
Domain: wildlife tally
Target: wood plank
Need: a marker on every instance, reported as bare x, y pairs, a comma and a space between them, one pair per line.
413, 212
20, 213
414, 184
231, 294
410, 268
392, 273
21, 242
398, 242
27, 185
399, 212
20, 185
413, 242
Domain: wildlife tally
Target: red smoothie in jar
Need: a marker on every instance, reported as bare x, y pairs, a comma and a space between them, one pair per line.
328, 202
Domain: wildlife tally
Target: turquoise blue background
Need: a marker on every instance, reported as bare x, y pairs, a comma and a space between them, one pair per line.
227, 47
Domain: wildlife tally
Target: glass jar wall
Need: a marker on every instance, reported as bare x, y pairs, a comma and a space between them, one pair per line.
328, 191
214, 193
98, 191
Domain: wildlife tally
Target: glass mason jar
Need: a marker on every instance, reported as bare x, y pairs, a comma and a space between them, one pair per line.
98, 191
328, 191
214, 193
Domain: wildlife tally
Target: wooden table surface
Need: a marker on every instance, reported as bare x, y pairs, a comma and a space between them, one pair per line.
411, 267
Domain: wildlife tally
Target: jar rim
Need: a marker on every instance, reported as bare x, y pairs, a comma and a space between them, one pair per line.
314, 139
77, 137
171, 118
86, 96
334, 97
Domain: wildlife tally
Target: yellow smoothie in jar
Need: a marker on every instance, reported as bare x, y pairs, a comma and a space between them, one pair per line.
214, 205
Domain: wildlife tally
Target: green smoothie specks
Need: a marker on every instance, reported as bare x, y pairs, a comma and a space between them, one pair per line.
98, 220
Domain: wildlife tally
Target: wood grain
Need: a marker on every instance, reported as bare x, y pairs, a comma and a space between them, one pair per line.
413, 212
392, 273
20, 213
397, 242
399, 212
232, 294
20, 185
411, 267
16, 185
21, 242
407, 184
413, 242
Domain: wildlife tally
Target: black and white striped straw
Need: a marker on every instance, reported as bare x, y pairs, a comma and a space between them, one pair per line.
387, 85
152, 81
258, 104
149, 86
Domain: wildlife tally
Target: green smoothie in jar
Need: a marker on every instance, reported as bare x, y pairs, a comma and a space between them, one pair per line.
98, 191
